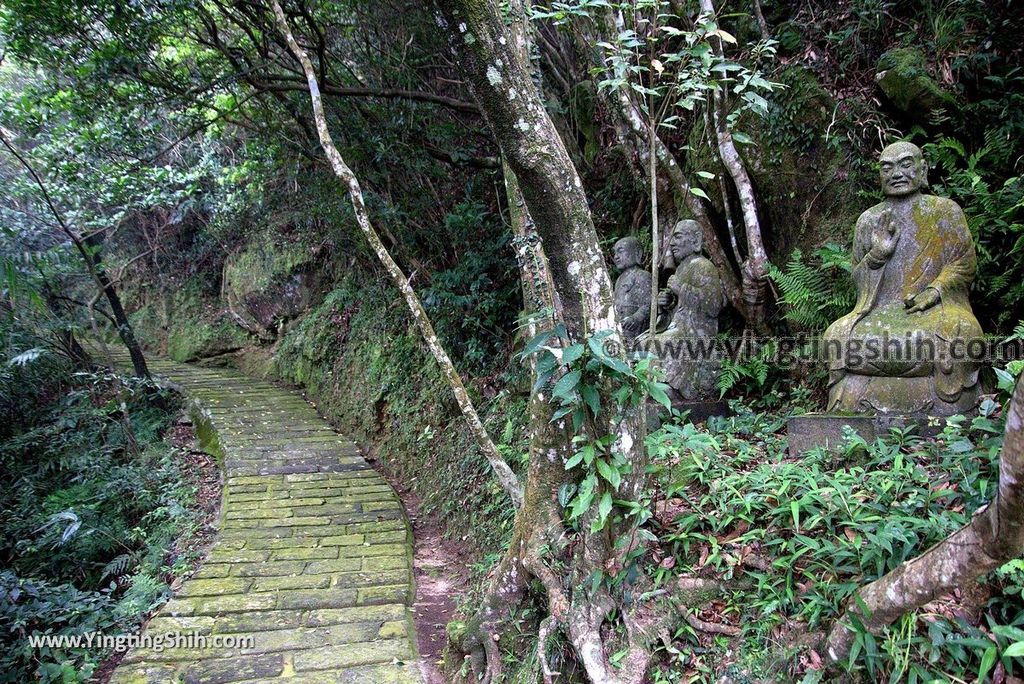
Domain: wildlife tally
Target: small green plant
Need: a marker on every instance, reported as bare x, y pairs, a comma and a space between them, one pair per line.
794, 539
576, 377
818, 291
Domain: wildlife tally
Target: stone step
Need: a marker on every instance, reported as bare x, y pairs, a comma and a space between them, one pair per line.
312, 567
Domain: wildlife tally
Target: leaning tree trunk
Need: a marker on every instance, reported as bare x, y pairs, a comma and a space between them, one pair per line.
994, 536
506, 478
755, 268
124, 327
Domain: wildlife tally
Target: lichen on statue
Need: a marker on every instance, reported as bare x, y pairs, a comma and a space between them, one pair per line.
632, 288
693, 299
913, 263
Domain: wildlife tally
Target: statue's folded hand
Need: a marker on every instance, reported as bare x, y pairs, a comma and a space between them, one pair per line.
633, 324
923, 300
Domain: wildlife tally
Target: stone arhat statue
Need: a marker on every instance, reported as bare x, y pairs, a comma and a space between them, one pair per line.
632, 288
693, 299
913, 262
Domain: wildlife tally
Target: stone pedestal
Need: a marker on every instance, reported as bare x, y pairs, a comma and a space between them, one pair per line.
700, 411
826, 429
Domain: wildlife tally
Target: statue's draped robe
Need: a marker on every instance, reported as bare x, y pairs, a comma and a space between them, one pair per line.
633, 300
934, 250
700, 297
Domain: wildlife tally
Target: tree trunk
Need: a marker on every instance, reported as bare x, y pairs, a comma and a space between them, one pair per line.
124, 328
994, 536
552, 188
755, 268
92, 263
506, 478
493, 60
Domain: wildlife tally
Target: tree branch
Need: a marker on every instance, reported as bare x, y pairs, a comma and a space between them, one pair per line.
281, 83
506, 478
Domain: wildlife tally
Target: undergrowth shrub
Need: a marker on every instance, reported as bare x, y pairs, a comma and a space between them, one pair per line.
89, 516
816, 291
794, 538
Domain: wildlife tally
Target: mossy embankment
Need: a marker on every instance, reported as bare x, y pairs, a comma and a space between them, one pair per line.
363, 362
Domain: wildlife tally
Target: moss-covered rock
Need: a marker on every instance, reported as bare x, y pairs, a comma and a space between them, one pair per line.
903, 76
268, 283
799, 165
197, 329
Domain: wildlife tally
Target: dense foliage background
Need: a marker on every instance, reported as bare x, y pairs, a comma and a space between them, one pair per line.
170, 134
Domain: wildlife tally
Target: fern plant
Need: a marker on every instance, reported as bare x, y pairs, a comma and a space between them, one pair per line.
988, 184
817, 291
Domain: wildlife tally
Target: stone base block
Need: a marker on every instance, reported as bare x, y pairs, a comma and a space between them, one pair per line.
700, 411
826, 429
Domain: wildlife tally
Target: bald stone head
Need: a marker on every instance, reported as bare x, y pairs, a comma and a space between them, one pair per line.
902, 169
686, 240
626, 253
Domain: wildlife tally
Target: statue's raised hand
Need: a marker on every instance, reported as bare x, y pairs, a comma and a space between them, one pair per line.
884, 237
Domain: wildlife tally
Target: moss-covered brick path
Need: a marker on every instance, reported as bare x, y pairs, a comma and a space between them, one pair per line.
312, 559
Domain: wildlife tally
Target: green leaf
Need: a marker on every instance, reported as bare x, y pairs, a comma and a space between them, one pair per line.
706, 174
591, 398
609, 472
572, 354
576, 459
794, 508
699, 193
987, 661
1006, 381
604, 507
561, 413
742, 138
657, 392
566, 384
536, 343
584, 497
565, 493
1014, 650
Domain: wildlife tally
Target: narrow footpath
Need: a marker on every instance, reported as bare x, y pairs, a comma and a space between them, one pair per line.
312, 560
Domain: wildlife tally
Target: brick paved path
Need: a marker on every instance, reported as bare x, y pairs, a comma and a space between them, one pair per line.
312, 560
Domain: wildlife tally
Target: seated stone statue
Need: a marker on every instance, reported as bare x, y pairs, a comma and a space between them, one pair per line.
913, 262
632, 288
694, 298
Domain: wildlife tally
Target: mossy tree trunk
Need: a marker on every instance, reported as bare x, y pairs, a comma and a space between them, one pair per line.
491, 50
